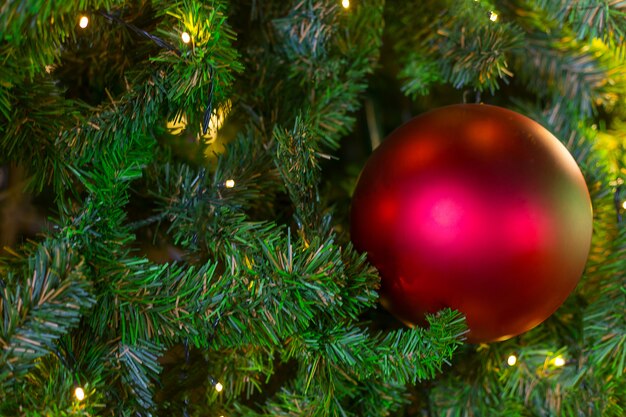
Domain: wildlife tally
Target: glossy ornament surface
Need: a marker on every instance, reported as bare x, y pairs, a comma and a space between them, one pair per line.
476, 208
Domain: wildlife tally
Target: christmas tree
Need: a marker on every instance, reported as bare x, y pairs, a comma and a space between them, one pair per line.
175, 184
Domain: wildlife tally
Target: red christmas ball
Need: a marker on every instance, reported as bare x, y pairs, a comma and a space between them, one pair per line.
476, 208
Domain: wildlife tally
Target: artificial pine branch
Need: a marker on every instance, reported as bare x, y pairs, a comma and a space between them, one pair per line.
604, 19
458, 48
44, 296
585, 72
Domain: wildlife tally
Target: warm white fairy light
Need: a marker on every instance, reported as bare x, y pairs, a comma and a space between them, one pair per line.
79, 393
229, 183
219, 387
186, 37
345, 3
83, 22
624, 204
511, 360
493, 16
559, 361
177, 125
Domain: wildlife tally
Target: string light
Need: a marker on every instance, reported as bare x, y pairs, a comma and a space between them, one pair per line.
511, 360
559, 361
229, 183
345, 3
219, 387
84, 21
186, 38
624, 204
79, 393
493, 16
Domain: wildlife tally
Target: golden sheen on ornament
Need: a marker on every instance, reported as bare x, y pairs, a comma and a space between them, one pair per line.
476, 208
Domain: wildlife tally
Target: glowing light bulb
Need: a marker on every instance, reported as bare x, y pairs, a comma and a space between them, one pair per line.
345, 3
511, 360
177, 125
493, 16
79, 393
219, 387
624, 204
84, 21
559, 361
186, 38
229, 184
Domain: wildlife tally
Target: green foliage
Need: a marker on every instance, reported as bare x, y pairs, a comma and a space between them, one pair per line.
605, 325
31, 118
172, 261
454, 42
209, 62
603, 19
326, 53
352, 372
143, 301
44, 295
140, 368
558, 67
297, 159
32, 32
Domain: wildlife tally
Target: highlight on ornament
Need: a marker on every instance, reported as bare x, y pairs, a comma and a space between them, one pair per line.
83, 22
511, 360
219, 387
79, 393
186, 37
